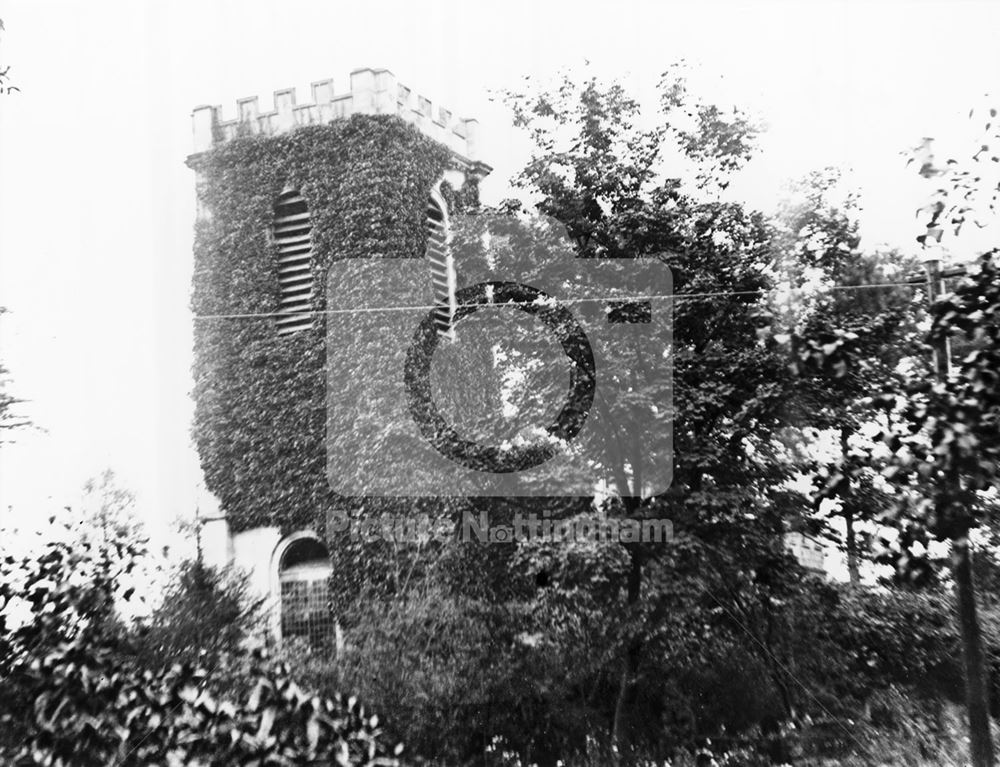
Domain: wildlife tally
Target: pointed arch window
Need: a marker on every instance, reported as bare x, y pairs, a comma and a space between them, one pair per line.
293, 237
442, 266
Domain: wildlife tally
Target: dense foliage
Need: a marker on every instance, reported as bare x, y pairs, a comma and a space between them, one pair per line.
75, 691
204, 614
941, 424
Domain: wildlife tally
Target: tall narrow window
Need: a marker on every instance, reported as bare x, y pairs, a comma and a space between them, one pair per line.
293, 235
442, 268
304, 573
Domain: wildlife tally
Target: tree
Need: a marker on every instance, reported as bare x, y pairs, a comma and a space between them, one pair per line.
820, 246
602, 177
960, 414
205, 613
946, 438
109, 513
943, 435
10, 418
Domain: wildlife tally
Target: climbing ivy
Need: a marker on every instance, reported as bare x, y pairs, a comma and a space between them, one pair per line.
260, 414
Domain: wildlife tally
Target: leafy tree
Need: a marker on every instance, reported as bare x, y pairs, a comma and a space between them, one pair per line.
820, 247
603, 178
943, 435
946, 439
110, 511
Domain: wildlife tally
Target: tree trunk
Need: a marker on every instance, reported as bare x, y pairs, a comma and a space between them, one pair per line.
770, 659
976, 687
850, 537
851, 543
618, 723
630, 660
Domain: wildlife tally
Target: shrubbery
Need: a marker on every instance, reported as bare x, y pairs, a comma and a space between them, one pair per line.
75, 690
205, 613
462, 679
531, 681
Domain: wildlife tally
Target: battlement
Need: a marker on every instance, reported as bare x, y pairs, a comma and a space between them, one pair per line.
373, 92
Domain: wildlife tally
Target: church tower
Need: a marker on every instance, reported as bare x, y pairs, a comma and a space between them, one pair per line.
373, 172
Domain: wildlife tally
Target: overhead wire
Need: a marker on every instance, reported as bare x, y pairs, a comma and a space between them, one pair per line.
915, 282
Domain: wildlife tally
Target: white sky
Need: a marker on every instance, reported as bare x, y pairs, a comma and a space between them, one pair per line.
97, 206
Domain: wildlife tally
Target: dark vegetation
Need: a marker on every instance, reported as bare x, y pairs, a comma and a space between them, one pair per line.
584, 654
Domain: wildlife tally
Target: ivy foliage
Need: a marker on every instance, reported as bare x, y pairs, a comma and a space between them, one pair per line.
261, 398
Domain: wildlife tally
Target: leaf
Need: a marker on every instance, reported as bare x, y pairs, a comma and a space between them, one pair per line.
266, 722
313, 732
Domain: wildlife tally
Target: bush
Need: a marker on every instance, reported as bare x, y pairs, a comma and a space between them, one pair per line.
452, 673
430, 661
205, 613
74, 692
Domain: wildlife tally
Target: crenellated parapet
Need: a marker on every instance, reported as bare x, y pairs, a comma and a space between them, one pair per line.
372, 92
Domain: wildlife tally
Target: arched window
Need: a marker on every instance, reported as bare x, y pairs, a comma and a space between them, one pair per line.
304, 576
293, 235
442, 268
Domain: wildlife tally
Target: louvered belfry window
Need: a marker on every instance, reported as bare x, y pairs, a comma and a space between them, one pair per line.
293, 235
442, 269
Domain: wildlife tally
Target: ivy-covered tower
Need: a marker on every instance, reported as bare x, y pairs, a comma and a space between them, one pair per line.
374, 172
